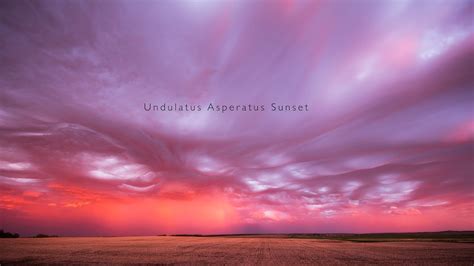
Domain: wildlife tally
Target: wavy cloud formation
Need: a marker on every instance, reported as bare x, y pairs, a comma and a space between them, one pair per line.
387, 143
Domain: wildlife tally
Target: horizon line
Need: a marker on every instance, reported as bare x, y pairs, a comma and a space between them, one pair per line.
255, 234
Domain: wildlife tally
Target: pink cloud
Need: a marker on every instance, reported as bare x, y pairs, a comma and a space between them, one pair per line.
385, 146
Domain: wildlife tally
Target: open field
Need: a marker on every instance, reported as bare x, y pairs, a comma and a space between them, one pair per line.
235, 250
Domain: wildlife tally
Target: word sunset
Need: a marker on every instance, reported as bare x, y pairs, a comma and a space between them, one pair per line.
223, 108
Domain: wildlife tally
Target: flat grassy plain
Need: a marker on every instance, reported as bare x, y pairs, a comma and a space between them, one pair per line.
239, 250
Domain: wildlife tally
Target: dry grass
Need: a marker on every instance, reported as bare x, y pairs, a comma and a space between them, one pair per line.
229, 251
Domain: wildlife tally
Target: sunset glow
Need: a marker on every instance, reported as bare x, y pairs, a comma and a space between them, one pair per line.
383, 140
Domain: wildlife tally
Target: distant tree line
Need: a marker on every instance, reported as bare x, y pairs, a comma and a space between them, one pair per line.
8, 234
44, 236
4, 234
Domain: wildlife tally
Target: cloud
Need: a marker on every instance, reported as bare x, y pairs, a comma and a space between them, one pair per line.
388, 132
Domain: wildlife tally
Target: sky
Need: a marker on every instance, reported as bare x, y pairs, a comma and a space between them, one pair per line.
385, 146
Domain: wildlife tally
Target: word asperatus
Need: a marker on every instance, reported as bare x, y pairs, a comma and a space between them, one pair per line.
222, 108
